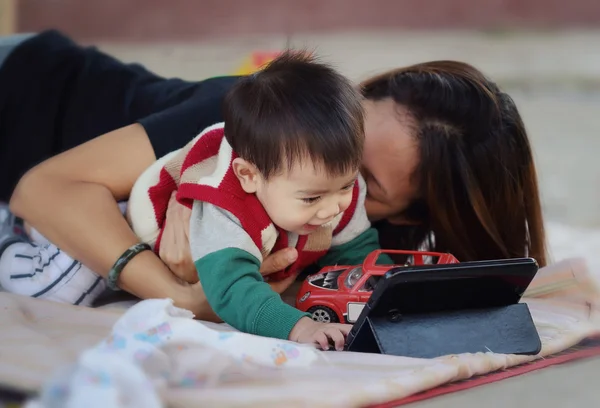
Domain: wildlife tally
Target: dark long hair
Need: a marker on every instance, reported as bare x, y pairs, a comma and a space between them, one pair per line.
478, 190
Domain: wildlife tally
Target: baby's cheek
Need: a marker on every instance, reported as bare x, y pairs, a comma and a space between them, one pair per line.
304, 215
345, 202
295, 216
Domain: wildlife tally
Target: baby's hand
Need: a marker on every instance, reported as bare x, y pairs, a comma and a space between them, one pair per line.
321, 334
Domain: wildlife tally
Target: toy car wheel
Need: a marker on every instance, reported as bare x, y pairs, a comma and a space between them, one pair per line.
323, 314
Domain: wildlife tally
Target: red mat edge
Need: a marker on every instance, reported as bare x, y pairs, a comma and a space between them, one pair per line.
490, 378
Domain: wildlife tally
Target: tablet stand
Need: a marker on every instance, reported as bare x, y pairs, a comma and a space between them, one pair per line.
506, 330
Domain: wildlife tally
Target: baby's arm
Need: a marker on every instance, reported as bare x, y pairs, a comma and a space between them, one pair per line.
356, 239
228, 262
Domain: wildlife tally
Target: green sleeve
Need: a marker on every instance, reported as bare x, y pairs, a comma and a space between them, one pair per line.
355, 251
238, 294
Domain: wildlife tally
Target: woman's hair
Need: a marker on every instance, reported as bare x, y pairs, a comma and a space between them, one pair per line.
478, 191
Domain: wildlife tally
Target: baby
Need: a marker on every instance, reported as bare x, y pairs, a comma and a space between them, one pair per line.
282, 170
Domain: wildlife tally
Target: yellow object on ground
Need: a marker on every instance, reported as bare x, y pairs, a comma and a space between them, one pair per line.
256, 61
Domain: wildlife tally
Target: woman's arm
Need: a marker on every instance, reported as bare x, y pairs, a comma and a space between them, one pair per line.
72, 200
175, 249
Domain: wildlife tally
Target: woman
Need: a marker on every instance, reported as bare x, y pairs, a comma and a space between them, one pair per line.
447, 160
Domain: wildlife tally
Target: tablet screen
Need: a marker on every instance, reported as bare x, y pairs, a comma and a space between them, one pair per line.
467, 285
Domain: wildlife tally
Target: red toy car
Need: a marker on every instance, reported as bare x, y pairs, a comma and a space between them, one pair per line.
339, 293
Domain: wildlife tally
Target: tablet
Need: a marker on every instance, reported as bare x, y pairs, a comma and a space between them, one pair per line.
425, 296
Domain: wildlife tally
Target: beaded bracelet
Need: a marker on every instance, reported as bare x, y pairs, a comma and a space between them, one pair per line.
115, 271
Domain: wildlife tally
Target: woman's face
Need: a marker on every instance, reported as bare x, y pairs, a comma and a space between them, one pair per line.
390, 158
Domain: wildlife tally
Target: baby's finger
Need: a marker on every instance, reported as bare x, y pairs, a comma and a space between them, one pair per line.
344, 328
322, 340
337, 337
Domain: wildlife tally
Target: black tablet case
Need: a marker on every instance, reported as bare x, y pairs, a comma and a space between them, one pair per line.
504, 326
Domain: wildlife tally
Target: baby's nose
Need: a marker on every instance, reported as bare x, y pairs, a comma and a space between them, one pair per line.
329, 212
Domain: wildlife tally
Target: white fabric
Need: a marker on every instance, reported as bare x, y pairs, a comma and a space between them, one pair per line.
46, 336
155, 345
143, 219
41, 270
46, 272
216, 229
156, 355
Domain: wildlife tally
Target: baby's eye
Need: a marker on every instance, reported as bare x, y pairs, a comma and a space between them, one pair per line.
311, 200
349, 186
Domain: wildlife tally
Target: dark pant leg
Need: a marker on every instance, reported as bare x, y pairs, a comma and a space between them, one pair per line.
7, 182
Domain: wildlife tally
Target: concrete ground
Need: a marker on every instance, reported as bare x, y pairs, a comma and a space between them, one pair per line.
571, 385
554, 78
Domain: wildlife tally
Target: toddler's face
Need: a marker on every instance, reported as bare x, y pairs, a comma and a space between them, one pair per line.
305, 198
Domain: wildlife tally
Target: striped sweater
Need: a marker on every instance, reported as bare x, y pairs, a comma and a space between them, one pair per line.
231, 233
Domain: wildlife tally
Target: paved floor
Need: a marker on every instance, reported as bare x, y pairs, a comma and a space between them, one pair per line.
571, 385
555, 80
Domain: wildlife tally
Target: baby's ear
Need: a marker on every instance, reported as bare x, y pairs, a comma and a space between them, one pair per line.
247, 174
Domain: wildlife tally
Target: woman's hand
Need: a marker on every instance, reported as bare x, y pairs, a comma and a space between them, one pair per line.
277, 261
175, 249
196, 302
175, 242
175, 253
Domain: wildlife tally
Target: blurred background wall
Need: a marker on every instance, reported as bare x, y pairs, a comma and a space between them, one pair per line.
184, 19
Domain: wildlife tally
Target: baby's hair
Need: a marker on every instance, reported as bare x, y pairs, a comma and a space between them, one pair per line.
295, 109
